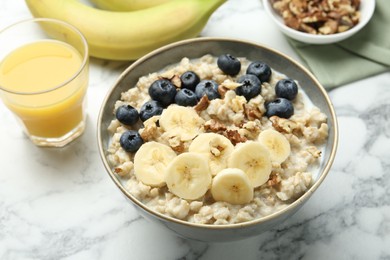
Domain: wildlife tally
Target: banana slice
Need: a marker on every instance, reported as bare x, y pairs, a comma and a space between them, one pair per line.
150, 163
188, 176
277, 144
216, 147
232, 185
254, 159
180, 121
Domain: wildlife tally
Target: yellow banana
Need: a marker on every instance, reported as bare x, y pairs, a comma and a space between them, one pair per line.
130, 35
126, 5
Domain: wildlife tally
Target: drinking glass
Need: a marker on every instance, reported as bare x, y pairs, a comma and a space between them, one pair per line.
44, 79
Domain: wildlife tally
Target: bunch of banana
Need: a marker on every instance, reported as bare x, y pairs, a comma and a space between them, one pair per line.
129, 35
126, 5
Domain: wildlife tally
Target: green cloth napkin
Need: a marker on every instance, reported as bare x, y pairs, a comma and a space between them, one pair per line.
364, 54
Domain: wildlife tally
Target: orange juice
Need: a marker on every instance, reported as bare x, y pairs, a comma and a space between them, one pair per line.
46, 83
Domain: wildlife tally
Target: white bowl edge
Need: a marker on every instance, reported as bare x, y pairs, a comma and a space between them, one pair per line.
367, 8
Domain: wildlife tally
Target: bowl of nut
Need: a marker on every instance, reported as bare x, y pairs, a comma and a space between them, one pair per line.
217, 139
320, 22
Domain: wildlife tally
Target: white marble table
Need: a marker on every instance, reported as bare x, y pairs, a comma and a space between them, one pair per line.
61, 204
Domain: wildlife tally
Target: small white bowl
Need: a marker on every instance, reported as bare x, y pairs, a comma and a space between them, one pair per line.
367, 8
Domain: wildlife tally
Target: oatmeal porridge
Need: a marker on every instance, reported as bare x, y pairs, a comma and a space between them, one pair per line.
216, 140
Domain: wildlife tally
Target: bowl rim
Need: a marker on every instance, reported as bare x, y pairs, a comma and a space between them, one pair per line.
320, 39
294, 204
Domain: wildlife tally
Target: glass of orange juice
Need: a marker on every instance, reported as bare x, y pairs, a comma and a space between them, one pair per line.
44, 79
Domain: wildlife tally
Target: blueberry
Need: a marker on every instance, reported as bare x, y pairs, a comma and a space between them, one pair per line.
280, 107
127, 115
229, 64
163, 91
286, 88
208, 88
189, 79
186, 97
250, 86
149, 109
131, 141
259, 69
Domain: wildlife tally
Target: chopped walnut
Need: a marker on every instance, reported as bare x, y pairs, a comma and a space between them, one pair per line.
236, 103
180, 148
283, 125
229, 84
251, 129
306, 28
168, 75
317, 16
214, 126
222, 91
202, 104
329, 27
176, 144
297, 6
150, 130
252, 113
234, 136
175, 79
274, 181
292, 22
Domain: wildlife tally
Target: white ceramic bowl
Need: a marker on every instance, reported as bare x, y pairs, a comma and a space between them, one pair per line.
195, 48
367, 8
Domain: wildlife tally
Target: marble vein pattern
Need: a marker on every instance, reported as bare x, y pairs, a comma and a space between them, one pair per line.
60, 203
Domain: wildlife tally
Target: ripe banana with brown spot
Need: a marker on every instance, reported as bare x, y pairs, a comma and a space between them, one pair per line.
126, 5
129, 35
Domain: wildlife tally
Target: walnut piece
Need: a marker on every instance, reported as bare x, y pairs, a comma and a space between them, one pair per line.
229, 84
214, 126
222, 91
252, 113
150, 130
274, 181
283, 125
202, 104
234, 137
179, 148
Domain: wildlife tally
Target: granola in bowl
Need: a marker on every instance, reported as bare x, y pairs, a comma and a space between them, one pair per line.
248, 147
